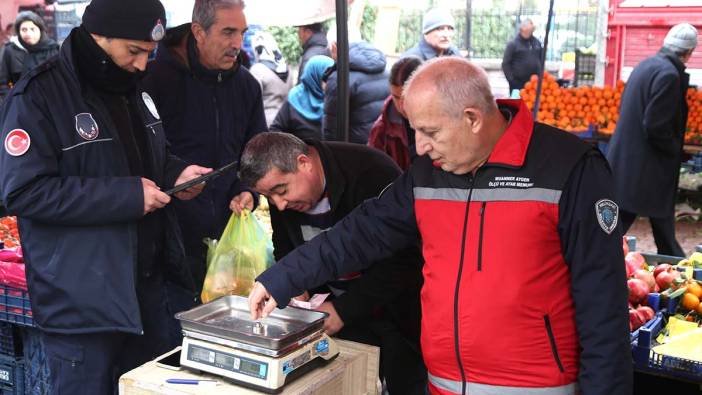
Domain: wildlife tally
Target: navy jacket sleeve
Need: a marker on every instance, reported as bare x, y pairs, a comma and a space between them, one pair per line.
31, 186
372, 232
598, 280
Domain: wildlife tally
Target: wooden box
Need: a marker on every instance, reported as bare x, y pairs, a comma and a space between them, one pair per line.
353, 372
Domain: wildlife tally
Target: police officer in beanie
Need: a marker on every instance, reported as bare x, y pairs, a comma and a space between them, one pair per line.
647, 146
84, 166
438, 28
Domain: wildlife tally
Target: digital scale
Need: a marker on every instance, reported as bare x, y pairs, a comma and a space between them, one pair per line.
220, 338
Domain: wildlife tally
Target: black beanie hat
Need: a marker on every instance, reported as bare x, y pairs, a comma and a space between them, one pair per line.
142, 20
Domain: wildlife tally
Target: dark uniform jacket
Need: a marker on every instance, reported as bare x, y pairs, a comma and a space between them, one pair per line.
317, 44
646, 149
353, 174
78, 205
538, 222
522, 58
209, 116
368, 88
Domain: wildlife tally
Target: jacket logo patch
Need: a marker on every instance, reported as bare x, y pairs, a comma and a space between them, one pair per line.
149, 103
607, 215
17, 142
86, 126
511, 182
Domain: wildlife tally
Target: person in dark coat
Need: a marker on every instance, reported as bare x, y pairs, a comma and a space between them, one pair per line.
302, 114
312, 186
211, 106
438, 28
646, 149
392, 132
522, 57
313, 42
368, 89
29, 48
84, 166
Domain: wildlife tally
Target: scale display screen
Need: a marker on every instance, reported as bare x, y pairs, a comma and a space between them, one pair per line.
227, 361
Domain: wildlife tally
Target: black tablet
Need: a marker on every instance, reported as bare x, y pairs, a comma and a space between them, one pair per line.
203, 178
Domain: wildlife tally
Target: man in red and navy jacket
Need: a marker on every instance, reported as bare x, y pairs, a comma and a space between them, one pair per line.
524, 287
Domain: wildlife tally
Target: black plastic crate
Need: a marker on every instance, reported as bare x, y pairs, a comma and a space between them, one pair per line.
585, 66
11, 376
36, 366
10, 340
15, 306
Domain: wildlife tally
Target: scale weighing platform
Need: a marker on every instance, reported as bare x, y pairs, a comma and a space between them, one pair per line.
220, 338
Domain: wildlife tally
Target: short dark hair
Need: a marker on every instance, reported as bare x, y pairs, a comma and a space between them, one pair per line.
267, 151
403, 69
315, 27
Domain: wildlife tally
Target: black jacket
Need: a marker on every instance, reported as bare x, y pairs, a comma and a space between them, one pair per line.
425, 51
368, 89
289, 120
522, 58
77, 203
646, 149
353, 174
17, 60
317, 44
209, 116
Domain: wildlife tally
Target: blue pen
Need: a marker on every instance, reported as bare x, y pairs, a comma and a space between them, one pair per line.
191, 381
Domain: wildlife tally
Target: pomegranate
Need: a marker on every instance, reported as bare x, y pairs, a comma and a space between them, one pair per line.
636, 319
647, 312
663, 267
647, 277
665, 278
638, 291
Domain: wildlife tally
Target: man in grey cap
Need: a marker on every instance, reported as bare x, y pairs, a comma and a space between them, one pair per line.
647, 146
84, 166
438, 28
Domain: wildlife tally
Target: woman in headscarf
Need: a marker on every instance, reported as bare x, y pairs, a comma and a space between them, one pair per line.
29, 48
272, 73
302, 114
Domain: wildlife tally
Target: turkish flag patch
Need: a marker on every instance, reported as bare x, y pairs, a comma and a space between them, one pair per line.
17, 142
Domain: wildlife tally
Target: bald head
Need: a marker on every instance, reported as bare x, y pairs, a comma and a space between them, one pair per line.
526, 28
455, 82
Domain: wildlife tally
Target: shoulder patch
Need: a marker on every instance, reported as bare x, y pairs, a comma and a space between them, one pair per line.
607, 213
17, 142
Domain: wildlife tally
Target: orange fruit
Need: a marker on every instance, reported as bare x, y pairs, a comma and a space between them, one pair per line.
699, 309
695, 288
690, 301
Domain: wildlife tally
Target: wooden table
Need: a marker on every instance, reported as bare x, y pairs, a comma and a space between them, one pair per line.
353, 372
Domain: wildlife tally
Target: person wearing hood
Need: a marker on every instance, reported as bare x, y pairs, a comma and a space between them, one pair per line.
438, 29
368, 89
272, 73
211, 106
647, 147
28, 48
302, 114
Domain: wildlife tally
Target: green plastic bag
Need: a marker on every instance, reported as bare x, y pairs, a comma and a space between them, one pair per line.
234, 261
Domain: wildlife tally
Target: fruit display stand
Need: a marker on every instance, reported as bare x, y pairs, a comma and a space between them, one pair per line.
644, 340
23, 366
